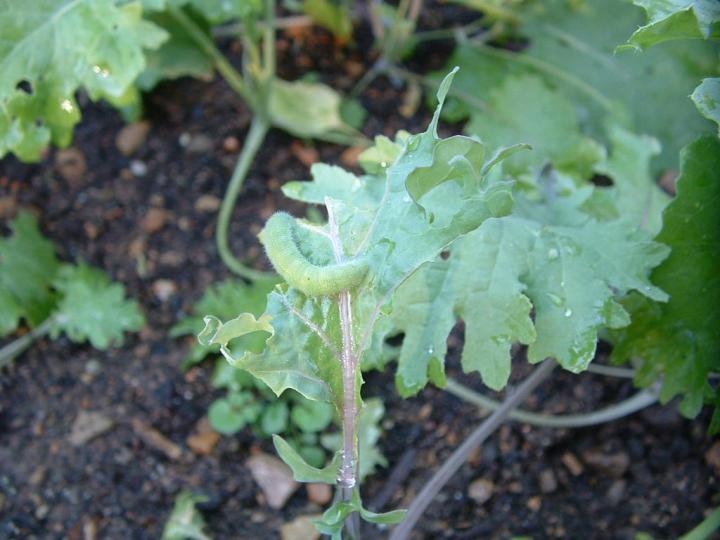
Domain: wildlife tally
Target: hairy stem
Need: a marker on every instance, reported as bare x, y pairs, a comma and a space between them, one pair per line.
347, 475
253, 141
13, 349
476, 438
639, 401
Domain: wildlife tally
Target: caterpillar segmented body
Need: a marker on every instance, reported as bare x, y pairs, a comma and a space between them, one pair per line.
279, 239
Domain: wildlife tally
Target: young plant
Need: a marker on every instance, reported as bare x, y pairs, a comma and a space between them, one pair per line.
342, 277
53, 297
549, 275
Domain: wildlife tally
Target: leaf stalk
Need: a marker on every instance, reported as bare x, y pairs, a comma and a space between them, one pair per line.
639, 401
13, 349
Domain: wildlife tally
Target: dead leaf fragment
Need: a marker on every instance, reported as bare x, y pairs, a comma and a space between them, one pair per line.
131, 137
157, 440
154, 220
87, 426
204, 439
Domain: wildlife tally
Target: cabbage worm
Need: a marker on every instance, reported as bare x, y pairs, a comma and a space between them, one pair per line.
281, 246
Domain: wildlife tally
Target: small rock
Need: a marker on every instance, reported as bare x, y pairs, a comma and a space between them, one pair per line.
481, 490
616, 492
131, 137
38, 475
154, 220
157, 440
534, 503
89, 529
204, 439
197, 144
87, 426
548, 482
300, 528
274, 478
231, 144
42, 511
207, 203
8, 207
92, 231
572, 463
319, 493
615, 464
71, 165
138, 168
350, 156
172, 258
93, 367
305, 154
164, 289
712, 456
203, 443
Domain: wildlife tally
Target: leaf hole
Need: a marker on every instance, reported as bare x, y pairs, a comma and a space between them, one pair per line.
25, 86
602, 180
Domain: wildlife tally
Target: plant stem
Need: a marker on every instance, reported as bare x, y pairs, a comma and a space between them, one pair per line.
476, 438
707, 527
205, 42
281, 23
347, 475
269, 41
612, 371
639, 401
258, 128
11, 351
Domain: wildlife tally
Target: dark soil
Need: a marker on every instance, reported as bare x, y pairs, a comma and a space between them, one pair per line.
644, 473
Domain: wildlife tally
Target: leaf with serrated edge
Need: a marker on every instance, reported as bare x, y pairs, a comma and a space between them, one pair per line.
635, 195
27, 268
93, 308
398, 235
707, 99
224, 301
676, 19
548, 122
550, 257
58, 47
572, 47
679, 340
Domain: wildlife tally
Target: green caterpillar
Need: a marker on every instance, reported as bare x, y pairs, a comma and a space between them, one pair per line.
280, 243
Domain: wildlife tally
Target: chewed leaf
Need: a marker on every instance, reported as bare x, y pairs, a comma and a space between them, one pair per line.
699, 19
219, 333
707, 99
59, 47
302, 471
